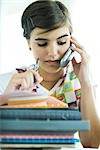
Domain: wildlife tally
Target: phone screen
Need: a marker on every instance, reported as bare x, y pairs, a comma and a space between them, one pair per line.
66, 58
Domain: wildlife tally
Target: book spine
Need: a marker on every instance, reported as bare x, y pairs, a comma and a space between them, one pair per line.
38, 141
43, 126
40, 114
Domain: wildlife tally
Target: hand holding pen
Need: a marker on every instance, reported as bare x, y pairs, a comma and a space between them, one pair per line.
25, 78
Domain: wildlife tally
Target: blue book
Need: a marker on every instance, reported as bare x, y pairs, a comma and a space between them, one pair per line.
40, 113
42, 126
38, 141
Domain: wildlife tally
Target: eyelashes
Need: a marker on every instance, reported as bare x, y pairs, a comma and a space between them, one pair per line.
61, 43
46, 44
42, 45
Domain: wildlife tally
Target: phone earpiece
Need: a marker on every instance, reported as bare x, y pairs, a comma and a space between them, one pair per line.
67, 58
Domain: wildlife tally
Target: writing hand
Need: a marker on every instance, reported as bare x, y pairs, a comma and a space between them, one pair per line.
23, 80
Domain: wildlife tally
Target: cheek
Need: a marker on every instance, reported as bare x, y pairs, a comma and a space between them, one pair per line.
39, 53
64, 49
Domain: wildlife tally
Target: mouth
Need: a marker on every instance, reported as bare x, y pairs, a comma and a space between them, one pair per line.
54, 62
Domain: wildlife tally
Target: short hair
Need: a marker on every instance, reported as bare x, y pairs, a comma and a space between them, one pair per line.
45, 14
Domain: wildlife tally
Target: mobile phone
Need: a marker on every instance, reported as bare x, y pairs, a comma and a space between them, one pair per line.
66, 58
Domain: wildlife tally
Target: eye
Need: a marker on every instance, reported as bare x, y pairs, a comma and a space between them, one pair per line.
42, 44
61, 43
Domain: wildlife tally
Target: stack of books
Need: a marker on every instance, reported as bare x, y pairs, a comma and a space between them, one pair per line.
33, 117
40, 125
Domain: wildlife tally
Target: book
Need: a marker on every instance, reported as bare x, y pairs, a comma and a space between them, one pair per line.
49, 102
33, 94
42, 126
38, 139
36, 97
40, 113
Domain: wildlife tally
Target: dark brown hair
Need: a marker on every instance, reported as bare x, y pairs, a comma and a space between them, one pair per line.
45, 14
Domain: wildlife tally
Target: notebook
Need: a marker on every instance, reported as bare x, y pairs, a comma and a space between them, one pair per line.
40, 113
34, 94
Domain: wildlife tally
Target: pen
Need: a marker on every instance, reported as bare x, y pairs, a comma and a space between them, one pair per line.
34, 67
20, 70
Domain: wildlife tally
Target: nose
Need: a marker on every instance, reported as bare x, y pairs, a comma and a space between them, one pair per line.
53, 51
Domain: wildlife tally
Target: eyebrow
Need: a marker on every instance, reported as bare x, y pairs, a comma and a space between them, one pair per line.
42, 39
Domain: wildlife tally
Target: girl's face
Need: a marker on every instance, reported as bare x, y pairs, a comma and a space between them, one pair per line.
49, 47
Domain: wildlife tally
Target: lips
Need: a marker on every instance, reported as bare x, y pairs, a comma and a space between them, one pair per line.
55, 62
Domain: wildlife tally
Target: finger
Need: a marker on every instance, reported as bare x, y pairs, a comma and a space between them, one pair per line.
15, 84
30, 76
80, 51
75, 62
20, 83
29, 79
73, 41
34, 76
38, 78
26, 79
73, 38
84, 56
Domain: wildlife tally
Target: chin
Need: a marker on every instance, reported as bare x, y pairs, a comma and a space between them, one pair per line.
50, 68
53, 69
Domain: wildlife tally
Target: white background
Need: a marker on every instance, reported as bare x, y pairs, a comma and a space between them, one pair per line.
14, 50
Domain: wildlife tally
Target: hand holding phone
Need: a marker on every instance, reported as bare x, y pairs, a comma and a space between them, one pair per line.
66, 58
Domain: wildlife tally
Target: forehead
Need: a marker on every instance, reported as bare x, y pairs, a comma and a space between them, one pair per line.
41, 33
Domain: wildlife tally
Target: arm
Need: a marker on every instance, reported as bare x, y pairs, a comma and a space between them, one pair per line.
88, 109
87, 104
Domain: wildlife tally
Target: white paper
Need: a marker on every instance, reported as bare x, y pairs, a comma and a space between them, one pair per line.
28, 94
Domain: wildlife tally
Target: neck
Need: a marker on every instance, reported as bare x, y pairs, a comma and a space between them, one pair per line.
50, 77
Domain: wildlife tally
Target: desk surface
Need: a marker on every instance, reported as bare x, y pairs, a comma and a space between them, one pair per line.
44, 147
